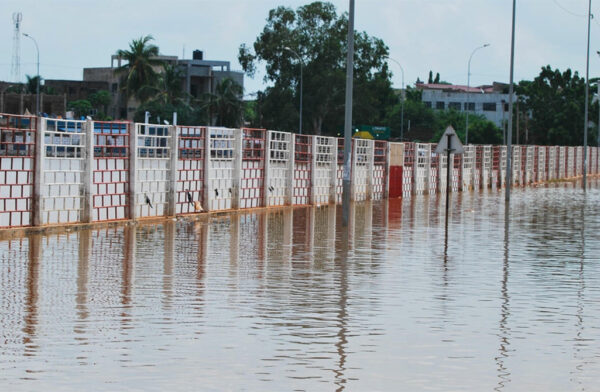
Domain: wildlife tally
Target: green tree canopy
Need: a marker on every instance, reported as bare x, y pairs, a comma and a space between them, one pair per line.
140, 70
555, 102
81, 107
317, 34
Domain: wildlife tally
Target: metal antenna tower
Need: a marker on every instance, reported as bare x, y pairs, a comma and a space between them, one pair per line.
15, 70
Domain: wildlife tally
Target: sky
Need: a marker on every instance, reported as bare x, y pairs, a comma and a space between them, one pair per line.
422, 35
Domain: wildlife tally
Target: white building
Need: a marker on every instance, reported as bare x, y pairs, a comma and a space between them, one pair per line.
489, 101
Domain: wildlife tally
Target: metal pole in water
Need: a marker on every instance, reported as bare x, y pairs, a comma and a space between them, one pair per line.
448, 178
348, 118
510, 108
587, 97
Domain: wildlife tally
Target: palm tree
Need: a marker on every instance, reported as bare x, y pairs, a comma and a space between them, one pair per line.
226, 103
31, 84
140, 68
168, 89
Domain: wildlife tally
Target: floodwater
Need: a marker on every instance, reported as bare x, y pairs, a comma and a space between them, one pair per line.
279, 300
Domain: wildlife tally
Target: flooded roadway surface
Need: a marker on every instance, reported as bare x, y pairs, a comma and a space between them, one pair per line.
277, 300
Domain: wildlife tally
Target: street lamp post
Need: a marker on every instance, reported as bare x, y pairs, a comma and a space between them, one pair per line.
37, 89
301, 66
587, 94
468, 89
401, 100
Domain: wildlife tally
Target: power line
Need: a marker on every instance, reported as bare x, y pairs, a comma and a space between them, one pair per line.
568, 11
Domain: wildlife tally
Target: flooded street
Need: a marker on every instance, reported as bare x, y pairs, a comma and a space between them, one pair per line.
278, 300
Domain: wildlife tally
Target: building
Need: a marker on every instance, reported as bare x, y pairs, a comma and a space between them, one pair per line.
21, 103
491, 101
199, 76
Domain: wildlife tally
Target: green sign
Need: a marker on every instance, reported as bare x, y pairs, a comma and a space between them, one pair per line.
378, 133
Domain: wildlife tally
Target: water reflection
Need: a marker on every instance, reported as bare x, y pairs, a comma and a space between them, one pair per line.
291, 297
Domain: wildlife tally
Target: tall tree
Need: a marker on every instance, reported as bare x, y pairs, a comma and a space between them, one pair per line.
555, 101
140, 69
317, 34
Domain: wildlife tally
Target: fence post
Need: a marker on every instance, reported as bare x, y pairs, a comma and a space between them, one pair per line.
38, 182
267, 166
333, 172
173, 163
237, 169
87, 176
207, 164
370, 169
313, 169
289, 189
386, 174
133, 164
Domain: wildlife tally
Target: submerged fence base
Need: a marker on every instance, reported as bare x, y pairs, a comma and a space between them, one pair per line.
56, 172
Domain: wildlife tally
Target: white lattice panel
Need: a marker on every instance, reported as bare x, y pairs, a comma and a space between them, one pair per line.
279, 162
486, 166
541, 174
551, 175
380, 173
562, 162
468, 164
408, 170
62, 171
529, 172
421, 168
503, 152
594, 160
361, 168
570, 162
152, 169
434, 168
325, 157
221, 166
579, 161
516, 165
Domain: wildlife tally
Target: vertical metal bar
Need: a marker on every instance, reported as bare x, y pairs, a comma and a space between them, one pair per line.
348, 117
38, 179
510, 106
207, 158
88, 170
587, 98
133, 165
236, 179
173, 163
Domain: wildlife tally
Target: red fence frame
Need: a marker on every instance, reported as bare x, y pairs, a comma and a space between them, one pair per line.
253, 167
190, 170
110, 174
302, 175
17, 169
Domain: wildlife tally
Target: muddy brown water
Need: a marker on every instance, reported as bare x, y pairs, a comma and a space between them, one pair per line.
279, 300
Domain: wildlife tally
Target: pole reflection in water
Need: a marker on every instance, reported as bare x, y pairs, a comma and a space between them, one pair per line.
32, 295
167, 289
503, 329
81, 299
129, 256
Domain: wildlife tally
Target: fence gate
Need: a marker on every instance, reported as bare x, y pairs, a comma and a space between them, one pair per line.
220, 158
280, 167
253, 168
190, 168
110, 179
325, 162
152, 169
62, 170
302, 169
17, 169
362, 169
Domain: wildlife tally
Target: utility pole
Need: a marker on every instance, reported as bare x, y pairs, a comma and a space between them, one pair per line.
511, 91
348, 118
587, 98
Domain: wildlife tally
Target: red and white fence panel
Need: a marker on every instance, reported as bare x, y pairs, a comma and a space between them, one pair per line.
62, 171
362, 169
570, 171
253, 168
220, 159
190, 168
468, 167
380, 169
541, 172
302, 183
486, 176
516, 166
280, 168
434, 170
408, 170
339, 181
110, 177
421, 167
17, 169
324, 169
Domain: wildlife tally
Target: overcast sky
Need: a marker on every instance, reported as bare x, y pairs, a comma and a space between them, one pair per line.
421, 34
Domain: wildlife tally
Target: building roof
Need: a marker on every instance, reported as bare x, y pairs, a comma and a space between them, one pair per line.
456, 88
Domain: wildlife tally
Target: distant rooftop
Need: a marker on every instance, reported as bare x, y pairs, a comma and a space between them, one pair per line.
457, 88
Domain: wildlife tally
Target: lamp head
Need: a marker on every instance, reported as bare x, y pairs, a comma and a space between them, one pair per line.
486, 45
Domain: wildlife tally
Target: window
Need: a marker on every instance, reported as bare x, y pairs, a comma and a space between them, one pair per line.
440, 105
114, 87
489, 106
427, 104
454, 105
470, 106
